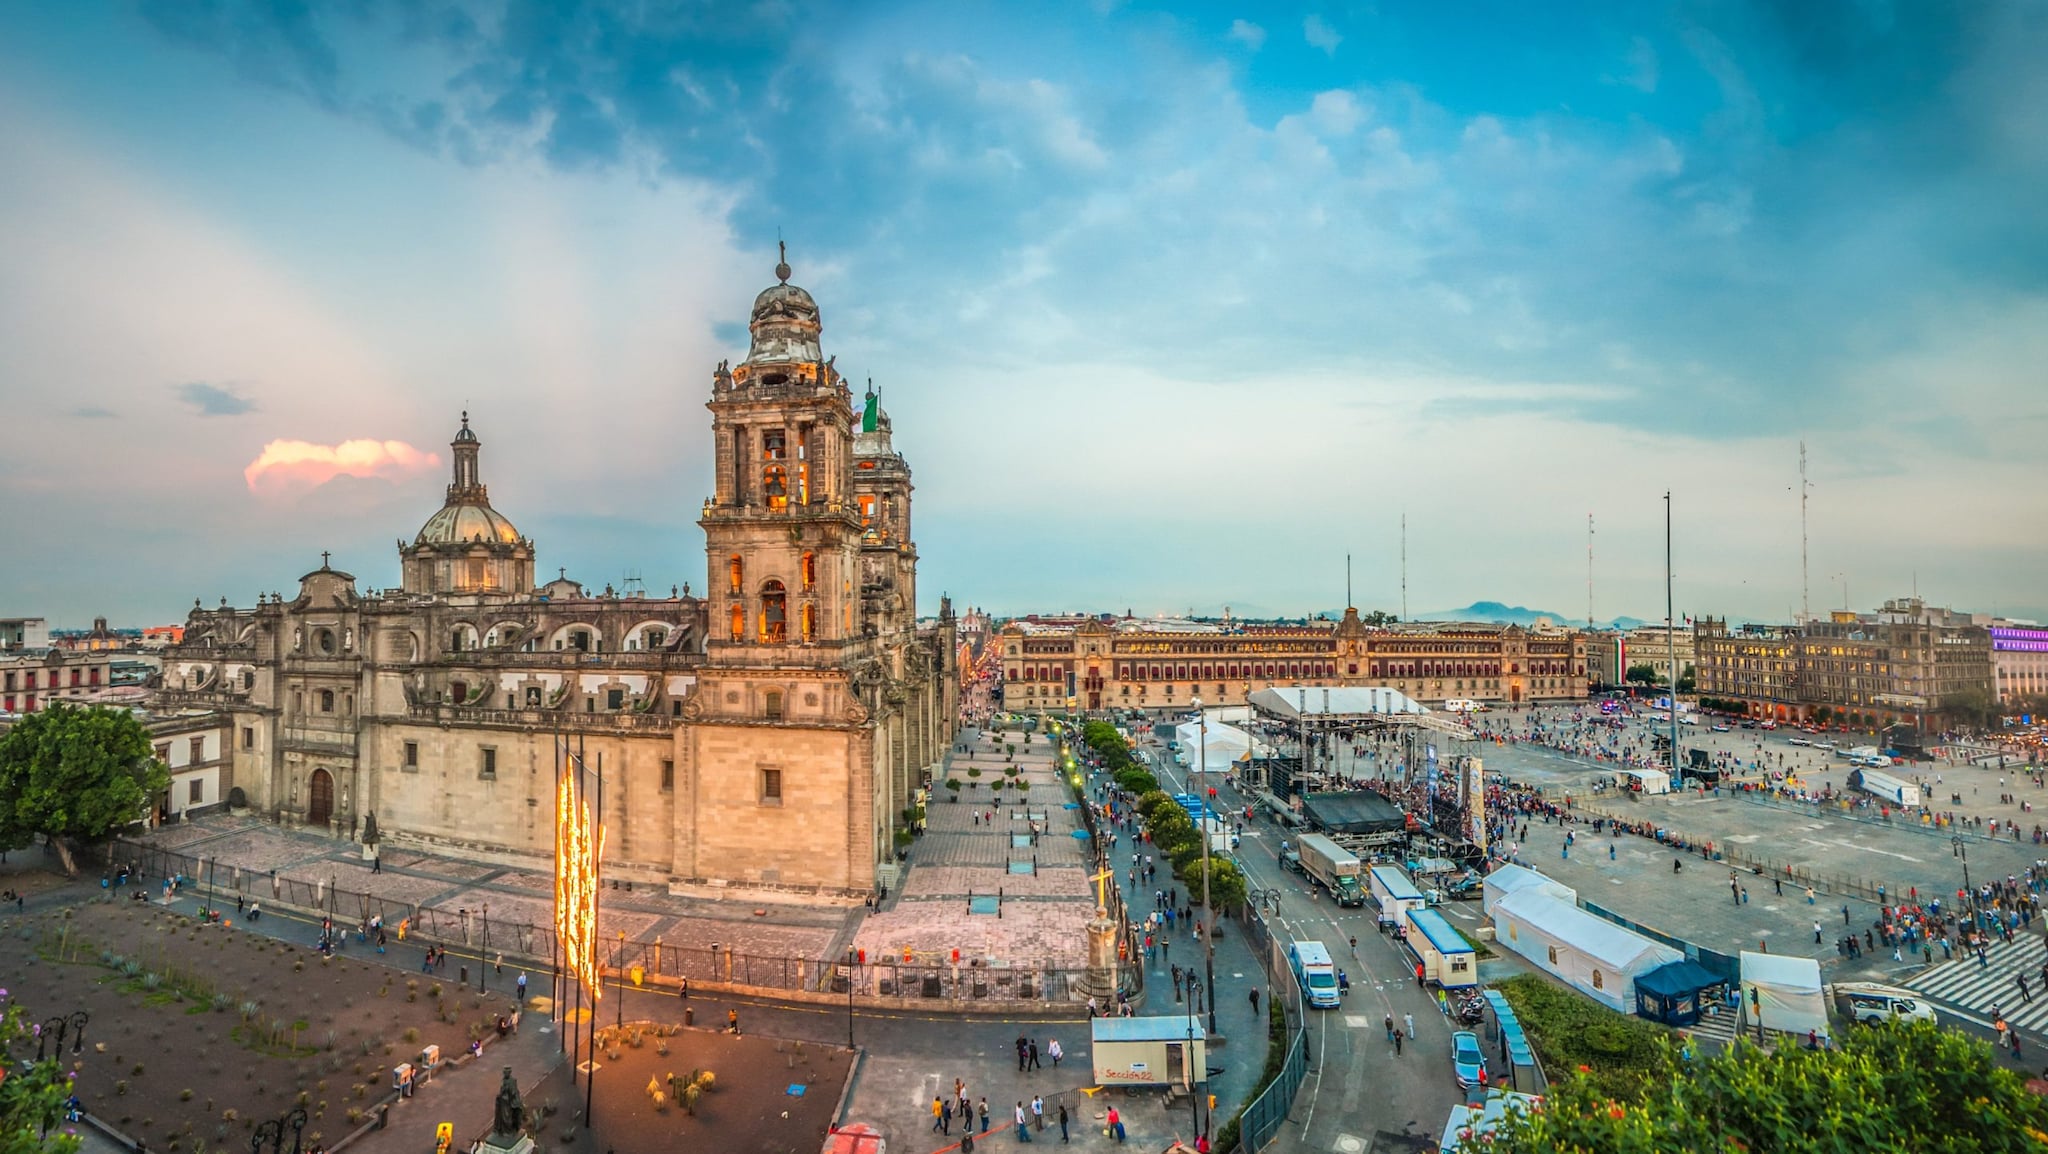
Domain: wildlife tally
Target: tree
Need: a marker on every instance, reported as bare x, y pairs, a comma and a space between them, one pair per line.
1227, 888
1688, 681
31, 1095
1887, 1088
1643, 673
75, 775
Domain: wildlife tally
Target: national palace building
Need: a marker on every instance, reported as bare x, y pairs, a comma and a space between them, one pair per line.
1133, 663
770, 731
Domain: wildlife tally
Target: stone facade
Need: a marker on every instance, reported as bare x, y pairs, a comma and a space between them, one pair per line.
1907, 663
1133, 664
770, 733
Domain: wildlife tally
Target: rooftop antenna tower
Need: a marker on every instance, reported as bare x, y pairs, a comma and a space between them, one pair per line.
631, 584
1805, 605
1589, 572
1404, 566
1347, 581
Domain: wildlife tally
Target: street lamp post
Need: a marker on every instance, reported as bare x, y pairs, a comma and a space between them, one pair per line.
1208, 910
849, 996
1962, 850
483, 962
1188, 1060
63, 1024
619, 967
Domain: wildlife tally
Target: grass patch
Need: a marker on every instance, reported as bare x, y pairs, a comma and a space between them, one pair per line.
1625, 1057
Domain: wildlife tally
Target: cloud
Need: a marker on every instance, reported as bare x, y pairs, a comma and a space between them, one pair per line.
1248, 34
294, 465
92, 413
214, 401
1319, 34
1641, 59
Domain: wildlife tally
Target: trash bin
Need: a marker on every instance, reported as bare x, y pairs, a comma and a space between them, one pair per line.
689, 1015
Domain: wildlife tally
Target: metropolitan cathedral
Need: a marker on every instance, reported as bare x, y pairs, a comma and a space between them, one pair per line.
773, 731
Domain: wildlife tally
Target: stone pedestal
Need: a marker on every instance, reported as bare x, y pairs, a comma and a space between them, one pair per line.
518, 1145
1101, 980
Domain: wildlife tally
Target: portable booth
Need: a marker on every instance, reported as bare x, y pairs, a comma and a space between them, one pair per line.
1394, 894
1442, 955
1784, 993
1594, 956
1513, 878
1644, 780
1503, 1031
1162, 1050
1677, 993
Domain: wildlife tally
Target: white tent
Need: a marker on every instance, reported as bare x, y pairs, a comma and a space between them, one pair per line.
1510, 879
1594, 956
1785, 992
1226, 745
1652, 780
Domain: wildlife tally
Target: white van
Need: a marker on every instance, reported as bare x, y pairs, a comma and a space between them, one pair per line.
1867, 1003
1316, 973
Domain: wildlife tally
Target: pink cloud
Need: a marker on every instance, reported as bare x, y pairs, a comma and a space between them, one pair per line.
303, 465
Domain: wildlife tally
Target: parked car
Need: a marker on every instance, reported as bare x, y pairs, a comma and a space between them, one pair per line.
1466, 1061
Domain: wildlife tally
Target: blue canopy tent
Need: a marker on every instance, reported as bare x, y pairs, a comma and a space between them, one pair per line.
1675, 993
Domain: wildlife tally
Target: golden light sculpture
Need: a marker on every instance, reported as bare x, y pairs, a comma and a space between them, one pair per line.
579, 841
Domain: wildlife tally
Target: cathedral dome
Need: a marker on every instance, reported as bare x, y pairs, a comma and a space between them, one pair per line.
464, 523
785, 323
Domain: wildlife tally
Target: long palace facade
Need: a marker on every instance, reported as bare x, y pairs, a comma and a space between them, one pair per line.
1131, 663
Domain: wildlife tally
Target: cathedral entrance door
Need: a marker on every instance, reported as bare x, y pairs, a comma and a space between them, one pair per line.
321, 804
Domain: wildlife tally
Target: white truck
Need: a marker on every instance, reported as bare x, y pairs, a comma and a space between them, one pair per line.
1868, 1003
1333, 867
1896, 790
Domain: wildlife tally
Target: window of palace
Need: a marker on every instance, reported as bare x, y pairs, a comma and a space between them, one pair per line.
325, 640
774, 614
771, 787
771, 704
866, 501
808, 619
734, 574
739, 621
808, 571
327, 701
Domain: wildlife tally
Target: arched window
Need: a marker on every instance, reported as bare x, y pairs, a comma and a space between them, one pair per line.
775, 487
774, 614
327, 701
739, 622
809, 619
734, 575
810, 571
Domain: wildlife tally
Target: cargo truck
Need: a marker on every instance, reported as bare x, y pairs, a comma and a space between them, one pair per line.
1333, 867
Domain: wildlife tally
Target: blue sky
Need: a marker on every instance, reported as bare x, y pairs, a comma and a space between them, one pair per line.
1173, 306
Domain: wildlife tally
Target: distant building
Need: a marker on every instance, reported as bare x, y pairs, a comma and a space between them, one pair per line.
1134, 663
1651, 645
194, 746
1907, 662
17, 633
98, 639
1606, 663
2019, 663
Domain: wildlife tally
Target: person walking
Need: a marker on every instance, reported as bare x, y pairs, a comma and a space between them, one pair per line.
1052, 1049
1390, 1027
941, 1115
1034, 1054
984, 1113
1038, 1113
1023, 1131
1063, 1124
522, 987
1816, 933
2026, 995
1408, 1024
1116, 1125
1255, 999
732, 1022
1397, 1045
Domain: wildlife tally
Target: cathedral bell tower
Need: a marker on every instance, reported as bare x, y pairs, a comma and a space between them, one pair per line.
782, 532
779, 756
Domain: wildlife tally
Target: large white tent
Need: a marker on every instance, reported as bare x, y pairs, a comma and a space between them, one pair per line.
1594, 956
1785, 992
1226, 745
1510, 879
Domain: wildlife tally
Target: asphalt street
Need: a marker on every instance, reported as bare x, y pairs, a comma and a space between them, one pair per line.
1360, 1094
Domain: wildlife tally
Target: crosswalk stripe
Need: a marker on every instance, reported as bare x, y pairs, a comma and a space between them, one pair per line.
1989, 986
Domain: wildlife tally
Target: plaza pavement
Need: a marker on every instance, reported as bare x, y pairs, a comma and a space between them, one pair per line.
1042, 877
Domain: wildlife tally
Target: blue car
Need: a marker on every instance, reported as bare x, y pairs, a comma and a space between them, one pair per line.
1466, 1060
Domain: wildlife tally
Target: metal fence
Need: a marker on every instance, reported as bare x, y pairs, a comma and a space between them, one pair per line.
1263, 1116
1855, 810
912, 981
1867, 889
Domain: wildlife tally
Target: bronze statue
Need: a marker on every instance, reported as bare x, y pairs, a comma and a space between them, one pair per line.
510, 1113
